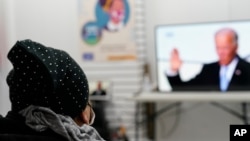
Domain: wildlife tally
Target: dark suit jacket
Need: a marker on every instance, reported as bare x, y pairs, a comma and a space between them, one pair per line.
99, 92
208, 78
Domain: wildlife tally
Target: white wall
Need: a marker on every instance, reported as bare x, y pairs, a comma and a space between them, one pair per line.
4, 65
197, 121
51, 22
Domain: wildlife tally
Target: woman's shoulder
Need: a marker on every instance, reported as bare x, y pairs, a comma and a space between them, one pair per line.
13, 127
21, 137
13, 123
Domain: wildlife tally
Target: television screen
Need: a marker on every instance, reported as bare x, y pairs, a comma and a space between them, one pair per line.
203, 56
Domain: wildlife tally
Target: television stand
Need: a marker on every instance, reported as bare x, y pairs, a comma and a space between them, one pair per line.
197, 96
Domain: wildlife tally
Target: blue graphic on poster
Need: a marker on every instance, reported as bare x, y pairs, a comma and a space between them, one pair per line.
111, 16
88, 56
91, 33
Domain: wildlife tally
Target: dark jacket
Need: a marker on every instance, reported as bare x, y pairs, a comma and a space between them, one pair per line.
208, 78
13, 128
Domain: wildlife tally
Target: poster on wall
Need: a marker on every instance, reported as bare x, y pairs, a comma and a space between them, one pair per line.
106, 30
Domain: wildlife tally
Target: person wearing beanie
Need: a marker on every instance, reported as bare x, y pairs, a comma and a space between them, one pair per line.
49, 96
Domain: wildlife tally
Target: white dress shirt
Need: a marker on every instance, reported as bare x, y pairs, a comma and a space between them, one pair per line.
230, 69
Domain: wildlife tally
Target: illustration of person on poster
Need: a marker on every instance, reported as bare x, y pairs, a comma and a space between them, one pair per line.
116, 12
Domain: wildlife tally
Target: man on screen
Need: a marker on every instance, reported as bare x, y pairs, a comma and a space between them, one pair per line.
99, 90
230, 72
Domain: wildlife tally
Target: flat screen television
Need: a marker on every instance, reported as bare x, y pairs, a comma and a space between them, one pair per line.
195, 43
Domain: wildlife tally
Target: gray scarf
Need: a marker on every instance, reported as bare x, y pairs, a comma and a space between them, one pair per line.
41, 118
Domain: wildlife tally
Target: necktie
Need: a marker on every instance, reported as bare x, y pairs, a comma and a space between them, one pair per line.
223, 79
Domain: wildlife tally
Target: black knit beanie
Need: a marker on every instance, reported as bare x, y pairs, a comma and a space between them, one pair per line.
47, 77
